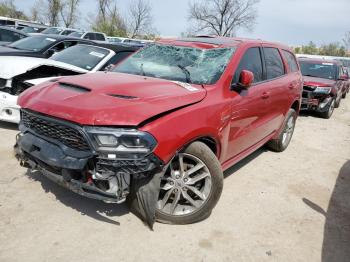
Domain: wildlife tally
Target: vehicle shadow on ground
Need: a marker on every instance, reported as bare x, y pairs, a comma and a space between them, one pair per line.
10, 126
336, 240
233, 169
309, 114
93, 208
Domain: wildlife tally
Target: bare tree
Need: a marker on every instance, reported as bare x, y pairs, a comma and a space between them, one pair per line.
103, 8
346, 41
108, 19
37, 12
140, 18
69, 12
53, 12
223, 17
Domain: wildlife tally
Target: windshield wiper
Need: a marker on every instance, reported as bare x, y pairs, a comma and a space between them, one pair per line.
186, 72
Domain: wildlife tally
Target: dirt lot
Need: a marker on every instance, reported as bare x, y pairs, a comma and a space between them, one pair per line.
293, 206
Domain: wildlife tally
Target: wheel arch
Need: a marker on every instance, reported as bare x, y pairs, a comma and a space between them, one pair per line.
296, 106
209, 141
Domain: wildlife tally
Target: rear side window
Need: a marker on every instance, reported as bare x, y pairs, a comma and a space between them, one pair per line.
292, 63
90, 36
251, 61
274, 64
100, 37
9, 36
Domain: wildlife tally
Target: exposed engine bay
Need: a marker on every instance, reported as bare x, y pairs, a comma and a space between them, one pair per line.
19, 84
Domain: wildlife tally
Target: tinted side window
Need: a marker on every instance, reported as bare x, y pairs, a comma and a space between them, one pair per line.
274, 64
63, 45
251, 61
100, 37
292, 63
90, 36
9, 36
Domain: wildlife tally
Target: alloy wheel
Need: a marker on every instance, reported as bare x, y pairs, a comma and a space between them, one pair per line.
288, 131
185, 187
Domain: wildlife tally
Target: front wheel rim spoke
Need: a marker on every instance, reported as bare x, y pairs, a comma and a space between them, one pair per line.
197, 178
181, 164
166, 198
167, 186
175, 201
197, 192
190, 199
194, 169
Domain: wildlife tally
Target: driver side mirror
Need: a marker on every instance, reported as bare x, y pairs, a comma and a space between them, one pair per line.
246, 78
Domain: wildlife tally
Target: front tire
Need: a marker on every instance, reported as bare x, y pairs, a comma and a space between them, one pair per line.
329, 112
191, 186
281, 143
337, 102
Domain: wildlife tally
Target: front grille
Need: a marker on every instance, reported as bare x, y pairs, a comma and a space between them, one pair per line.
307, 94
50, 128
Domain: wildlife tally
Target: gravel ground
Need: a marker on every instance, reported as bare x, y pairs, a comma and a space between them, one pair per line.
291, 206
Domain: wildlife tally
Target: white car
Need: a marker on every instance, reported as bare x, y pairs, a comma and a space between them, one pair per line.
58, 31
90, 36
19, 73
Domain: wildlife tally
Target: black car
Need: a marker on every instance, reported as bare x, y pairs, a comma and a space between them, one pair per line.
9, 35
121, 52
43, 46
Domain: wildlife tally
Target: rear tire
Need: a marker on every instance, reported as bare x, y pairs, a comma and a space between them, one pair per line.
281, 143
344, 95
181, 199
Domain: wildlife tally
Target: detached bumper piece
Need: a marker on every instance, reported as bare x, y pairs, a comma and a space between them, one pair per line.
315, 101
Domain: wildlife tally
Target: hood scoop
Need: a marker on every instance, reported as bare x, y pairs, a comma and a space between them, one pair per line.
75, 88
123, 96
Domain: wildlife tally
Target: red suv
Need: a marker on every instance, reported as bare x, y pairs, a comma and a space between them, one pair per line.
162, 126
324, 85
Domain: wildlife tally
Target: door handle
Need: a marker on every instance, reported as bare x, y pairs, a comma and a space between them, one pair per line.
265, 95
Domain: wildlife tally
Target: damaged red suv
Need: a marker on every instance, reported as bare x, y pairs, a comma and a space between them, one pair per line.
324, 85
160, 128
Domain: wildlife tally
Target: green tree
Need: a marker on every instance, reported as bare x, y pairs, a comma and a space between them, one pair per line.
310, 49
8, 9
333, 49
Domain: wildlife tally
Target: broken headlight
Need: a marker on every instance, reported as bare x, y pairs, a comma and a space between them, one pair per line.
323, 90
122, 142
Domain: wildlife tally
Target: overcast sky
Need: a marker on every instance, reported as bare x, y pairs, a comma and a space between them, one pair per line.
293, 22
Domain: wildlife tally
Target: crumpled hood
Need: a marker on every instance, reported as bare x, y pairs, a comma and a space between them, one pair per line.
11, 66
109, 99
316, 81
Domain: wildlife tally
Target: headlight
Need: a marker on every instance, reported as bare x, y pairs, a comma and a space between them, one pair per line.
121, 141
323, 90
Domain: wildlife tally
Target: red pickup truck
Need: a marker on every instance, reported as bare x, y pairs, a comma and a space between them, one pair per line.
160, 129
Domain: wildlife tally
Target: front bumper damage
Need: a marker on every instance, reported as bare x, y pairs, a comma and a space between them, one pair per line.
92, 174
314, 101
